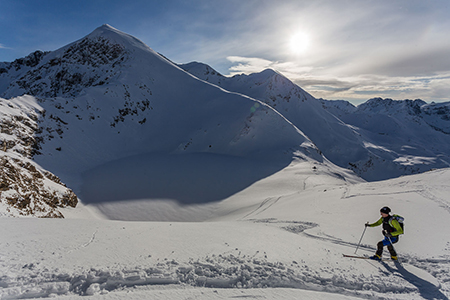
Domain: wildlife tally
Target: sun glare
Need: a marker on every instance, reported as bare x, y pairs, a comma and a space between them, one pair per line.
299, 43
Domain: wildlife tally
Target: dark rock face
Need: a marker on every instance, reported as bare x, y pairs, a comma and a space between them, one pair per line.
24, 188
89, 62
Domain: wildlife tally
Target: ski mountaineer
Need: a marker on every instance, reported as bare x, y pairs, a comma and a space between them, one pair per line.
391, 231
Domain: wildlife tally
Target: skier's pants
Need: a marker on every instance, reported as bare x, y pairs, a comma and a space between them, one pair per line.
387, 242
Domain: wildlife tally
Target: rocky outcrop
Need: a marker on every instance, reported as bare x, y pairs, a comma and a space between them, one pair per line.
89, 62
25, 188
29, 192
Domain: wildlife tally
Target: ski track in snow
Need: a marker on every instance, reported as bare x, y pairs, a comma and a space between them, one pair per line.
233, 269
86, 244
266, 204
421, 190
426, 193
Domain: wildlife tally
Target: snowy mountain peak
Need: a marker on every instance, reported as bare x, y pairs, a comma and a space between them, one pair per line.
107, 32
268, 73
200, 70
262, 77
107, 27
93, 60
104, 30
268, 85
115, 36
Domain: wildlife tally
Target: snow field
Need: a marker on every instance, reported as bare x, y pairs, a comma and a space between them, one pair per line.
116, 255
286, 231
283, 247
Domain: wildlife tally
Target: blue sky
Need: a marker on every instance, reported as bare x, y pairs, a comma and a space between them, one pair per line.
336, 49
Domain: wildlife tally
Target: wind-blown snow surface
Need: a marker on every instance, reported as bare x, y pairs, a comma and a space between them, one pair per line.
278, 239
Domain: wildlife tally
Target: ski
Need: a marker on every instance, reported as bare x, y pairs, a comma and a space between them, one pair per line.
365, 257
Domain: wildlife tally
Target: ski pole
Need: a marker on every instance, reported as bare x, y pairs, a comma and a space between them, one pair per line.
359, 243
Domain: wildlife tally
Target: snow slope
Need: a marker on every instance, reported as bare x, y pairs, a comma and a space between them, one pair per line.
334, 138
379, 139
288, 245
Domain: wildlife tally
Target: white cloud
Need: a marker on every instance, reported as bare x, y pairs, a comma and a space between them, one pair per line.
248, 65
440, 88
357, 49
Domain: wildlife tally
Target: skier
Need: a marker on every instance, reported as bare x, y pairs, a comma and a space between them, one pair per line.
391, 231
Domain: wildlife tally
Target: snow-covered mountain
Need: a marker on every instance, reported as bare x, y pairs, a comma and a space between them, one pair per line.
411, 134
108, 96
379, 139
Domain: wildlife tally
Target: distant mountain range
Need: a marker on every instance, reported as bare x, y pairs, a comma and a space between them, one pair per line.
109, 96
379, 139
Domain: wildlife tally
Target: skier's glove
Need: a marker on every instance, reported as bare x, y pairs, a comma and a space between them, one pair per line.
367, 224
387, 234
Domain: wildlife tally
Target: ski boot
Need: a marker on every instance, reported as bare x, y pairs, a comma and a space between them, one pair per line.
394, 257
375, 257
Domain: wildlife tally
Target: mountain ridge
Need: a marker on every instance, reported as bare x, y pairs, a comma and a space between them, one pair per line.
353, 137
108, 96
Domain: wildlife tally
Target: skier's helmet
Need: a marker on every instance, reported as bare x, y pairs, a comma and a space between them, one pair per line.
385, 210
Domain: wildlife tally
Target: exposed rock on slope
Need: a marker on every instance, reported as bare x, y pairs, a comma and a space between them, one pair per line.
29, 192
25, 188
71, 71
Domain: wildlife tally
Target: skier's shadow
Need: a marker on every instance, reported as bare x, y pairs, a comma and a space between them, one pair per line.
426, 289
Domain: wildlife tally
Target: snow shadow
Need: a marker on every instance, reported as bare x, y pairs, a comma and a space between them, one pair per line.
186, 178
426, 289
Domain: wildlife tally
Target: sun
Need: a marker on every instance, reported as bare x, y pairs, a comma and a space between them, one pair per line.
299, 43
